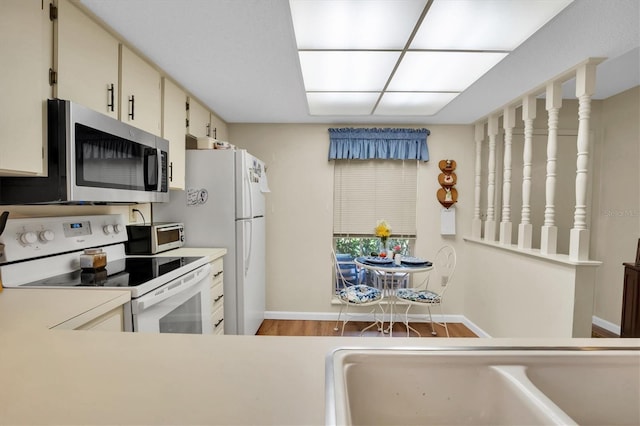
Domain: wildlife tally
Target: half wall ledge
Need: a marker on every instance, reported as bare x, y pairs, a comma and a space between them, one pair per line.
517, 292
513, 248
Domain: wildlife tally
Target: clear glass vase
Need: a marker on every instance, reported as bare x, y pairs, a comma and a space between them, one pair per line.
384, 246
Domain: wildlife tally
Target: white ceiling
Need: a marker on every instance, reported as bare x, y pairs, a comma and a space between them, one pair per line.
240, 57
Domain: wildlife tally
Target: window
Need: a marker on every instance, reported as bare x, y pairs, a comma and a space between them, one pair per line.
368, 191
371, 190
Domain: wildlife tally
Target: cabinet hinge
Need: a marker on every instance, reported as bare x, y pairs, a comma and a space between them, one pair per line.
187, 105
53, 77
186, 122
53, 12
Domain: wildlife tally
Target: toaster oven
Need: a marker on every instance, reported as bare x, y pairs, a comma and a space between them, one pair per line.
152, 238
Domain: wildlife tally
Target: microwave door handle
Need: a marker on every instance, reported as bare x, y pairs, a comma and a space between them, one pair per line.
158, 185
148, 184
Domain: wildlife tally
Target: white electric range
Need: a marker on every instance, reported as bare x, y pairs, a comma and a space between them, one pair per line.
168, 294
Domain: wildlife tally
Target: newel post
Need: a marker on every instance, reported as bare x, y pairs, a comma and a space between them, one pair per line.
490, 224
579, 236
508, 123
476, 224
549, 231
525, 228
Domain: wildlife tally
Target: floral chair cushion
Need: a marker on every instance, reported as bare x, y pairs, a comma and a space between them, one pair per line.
421, 296
359, 294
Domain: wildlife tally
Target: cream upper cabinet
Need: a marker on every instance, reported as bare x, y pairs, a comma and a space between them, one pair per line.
199, 119
86, 61
203, 122
140, 99
26, 35
174, 129
219, 128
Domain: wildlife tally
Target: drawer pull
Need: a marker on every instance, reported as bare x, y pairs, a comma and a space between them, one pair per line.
218, 323
217, 274
218, 298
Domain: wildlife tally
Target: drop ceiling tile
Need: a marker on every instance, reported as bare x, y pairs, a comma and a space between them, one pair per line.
329, 103
483, 24
395, 103
441, 71
346, 71
363, 24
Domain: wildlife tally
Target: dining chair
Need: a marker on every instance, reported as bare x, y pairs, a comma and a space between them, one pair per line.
354, 294
350, 271
430, 292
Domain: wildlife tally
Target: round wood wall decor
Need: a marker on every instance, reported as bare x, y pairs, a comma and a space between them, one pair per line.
447, 195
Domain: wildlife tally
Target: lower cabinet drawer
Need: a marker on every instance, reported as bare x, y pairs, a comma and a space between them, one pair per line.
217, 321
216, 268
217, 293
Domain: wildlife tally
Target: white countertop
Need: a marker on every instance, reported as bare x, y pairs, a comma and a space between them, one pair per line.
57, 376
212, 253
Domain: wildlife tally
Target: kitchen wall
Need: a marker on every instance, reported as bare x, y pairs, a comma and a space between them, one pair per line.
615, 224
300, 208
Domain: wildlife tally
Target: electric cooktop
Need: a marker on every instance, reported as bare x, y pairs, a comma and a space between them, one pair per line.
125, 272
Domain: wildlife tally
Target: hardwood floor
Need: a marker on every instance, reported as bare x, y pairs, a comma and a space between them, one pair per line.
352, 328
597, 331
325, 328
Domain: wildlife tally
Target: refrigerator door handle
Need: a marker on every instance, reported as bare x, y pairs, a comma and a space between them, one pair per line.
248, 238
249, 193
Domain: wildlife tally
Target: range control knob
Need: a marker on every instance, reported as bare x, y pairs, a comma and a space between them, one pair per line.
118, 228
46, 235
29, 237
108, 229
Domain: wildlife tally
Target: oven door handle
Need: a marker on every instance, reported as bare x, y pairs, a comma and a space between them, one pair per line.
170, 289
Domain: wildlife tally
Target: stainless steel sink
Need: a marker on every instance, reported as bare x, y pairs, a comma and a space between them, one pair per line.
483, 387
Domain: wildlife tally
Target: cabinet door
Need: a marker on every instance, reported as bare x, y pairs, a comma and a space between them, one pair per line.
25, 48
219, 128
86, 61
199, 120
140, 92
174, 115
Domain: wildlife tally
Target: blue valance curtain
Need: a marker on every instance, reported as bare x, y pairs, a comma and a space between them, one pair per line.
386, 144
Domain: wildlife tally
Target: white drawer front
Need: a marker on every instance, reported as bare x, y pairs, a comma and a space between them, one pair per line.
217, 321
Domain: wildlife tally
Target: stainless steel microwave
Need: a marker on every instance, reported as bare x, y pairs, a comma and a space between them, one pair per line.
93, 158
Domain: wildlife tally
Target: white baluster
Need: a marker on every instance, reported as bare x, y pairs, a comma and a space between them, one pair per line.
508, 123
476, 225
549, 231
525, 228
490, 224
579, 237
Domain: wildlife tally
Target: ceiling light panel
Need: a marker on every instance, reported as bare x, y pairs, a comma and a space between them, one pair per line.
483, 24
441, 71
327, 103
337, 71
413, 103
363, 24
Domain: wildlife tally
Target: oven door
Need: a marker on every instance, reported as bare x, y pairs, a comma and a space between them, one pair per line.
180, 306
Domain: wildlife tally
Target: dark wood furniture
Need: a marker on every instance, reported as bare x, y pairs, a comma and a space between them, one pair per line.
630, 323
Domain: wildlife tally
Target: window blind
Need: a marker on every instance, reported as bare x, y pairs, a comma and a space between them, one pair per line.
371, 190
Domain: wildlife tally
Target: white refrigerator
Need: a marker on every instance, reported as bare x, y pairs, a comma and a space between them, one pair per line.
223, 206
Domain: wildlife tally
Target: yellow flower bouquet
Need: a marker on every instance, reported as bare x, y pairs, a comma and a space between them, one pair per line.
383, 231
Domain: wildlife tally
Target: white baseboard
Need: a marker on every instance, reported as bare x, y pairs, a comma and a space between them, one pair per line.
355, 316
609, 326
